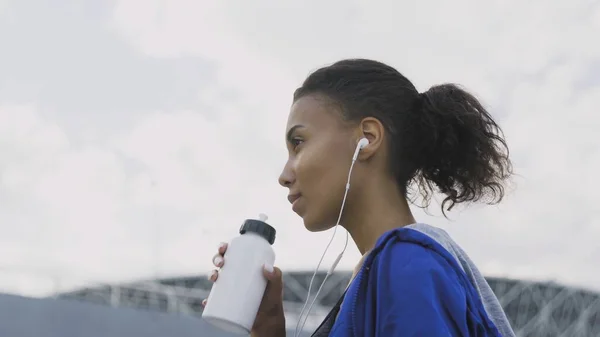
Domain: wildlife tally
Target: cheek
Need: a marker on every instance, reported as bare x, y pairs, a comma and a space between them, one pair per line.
319, 172
309, 167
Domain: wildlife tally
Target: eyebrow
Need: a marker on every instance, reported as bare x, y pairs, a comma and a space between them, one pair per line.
290, 132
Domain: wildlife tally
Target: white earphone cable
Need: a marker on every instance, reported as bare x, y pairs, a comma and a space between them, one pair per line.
299, 327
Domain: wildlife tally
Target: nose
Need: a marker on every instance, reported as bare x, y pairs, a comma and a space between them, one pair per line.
287, 178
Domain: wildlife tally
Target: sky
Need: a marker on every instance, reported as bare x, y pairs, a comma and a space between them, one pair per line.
138, 134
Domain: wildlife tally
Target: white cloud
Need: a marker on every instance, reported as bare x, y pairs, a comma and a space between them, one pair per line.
59, 200
525, 59
95, 209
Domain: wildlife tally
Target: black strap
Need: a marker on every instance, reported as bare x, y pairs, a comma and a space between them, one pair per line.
325, 326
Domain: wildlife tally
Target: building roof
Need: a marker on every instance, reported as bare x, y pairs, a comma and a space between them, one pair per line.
533, 308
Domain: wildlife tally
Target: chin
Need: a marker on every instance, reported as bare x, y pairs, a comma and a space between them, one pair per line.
314, 225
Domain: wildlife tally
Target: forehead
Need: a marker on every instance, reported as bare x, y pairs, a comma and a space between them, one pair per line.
314, 112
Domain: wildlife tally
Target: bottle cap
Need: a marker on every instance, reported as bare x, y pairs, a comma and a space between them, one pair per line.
259, 227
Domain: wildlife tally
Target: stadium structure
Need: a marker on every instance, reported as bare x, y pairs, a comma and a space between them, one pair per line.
535, 309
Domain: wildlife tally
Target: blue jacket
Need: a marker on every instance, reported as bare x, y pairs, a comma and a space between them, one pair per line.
410, 285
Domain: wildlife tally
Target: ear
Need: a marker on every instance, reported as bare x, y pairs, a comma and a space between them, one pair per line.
372, 129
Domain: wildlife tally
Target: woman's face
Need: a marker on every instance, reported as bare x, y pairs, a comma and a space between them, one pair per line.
320, 146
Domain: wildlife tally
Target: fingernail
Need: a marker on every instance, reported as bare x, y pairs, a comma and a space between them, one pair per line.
218, 260
212, 274
222, 244
268, 268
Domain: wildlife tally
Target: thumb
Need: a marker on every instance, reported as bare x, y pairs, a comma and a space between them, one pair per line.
273, 275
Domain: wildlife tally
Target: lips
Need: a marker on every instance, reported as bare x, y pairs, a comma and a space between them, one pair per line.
293, 197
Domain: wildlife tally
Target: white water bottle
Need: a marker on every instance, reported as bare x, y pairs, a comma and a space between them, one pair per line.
234, 299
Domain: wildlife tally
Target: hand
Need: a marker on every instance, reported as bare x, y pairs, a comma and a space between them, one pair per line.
270, 317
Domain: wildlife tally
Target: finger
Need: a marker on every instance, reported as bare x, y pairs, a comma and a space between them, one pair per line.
273, 274
213, 275
203, 303
218, 260
222, 248
274, 278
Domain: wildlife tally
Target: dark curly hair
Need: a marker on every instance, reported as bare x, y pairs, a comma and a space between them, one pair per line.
442, 140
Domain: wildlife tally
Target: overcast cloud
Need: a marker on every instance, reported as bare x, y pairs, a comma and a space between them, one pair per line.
138, 134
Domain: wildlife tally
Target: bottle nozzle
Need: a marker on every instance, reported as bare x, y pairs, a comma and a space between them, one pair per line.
262, 217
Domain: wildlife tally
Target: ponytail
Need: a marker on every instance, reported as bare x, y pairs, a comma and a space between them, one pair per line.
465, 156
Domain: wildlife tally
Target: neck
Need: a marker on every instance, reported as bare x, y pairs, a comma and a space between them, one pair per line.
370, 216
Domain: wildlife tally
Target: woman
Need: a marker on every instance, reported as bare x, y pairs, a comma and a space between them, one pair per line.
413, 280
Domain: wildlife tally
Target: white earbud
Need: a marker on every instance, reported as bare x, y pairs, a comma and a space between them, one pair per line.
361, 145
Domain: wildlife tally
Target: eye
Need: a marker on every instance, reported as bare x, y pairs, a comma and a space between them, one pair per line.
296, 142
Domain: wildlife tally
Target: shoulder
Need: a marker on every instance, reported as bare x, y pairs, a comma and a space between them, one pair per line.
412, 261
408, 250
415, 289
418, 288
